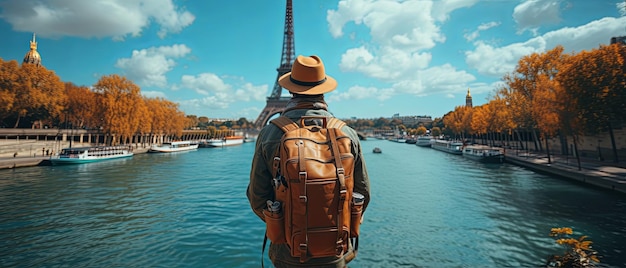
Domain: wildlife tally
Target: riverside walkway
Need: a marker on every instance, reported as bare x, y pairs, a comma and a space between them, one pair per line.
604, 174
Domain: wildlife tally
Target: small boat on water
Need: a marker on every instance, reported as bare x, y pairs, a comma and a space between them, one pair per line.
174, 146
423, 141
453, 147
226, 141
484, 154
81, 155
377, 150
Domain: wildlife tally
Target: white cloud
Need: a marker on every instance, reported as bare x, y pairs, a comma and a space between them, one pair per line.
401, 32
483, 27
357, 93
389, 64
94, 18
434, 80
205, 83
218, 93
532, 14
149, 67
406, 25
497, 61
248, 92
153, 94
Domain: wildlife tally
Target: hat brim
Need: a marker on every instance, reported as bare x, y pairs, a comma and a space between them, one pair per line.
329, 85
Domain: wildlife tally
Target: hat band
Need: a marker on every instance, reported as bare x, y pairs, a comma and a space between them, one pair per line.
307, 84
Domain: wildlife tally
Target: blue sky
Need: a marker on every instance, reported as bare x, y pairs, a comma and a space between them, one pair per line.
219, 58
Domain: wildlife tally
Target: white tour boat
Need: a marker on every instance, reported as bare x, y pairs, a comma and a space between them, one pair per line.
226, 141
80, 155
423, 141
174, 146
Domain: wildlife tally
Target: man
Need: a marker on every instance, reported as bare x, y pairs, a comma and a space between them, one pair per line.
307, 82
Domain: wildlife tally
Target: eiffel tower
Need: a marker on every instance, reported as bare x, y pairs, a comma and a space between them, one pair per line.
276, 103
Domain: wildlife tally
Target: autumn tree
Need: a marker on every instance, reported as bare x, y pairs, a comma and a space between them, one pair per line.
596, 80
81, 106
421, 130
8, 82
459, 121
525, 87
118, 99
435, 131
145, 122
39, 95
192, 121
481, 119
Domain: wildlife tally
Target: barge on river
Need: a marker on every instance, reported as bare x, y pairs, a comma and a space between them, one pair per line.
484, 154
453, 147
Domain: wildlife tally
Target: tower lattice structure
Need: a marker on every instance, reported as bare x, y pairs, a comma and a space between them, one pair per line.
276, 103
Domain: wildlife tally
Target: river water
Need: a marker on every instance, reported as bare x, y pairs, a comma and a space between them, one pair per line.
428, 209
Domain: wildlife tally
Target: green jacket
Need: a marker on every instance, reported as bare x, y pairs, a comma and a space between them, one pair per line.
260, 188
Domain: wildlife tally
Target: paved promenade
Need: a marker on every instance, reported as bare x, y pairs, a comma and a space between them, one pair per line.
604, 174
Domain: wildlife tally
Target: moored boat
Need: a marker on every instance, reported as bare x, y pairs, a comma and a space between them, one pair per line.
174, 146
226, 141
377, 150
453, 147
423, 141
485, 154
79, 155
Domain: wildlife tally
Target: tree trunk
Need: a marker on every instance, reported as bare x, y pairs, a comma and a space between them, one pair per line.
536, 141
563, 138
17, 121
519, 139
576, 151
614, 147
548, 150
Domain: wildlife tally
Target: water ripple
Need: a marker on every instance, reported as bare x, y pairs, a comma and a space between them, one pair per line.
429, 209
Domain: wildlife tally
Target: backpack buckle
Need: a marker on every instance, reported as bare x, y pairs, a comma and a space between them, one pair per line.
277, 181
341, 170
302, 175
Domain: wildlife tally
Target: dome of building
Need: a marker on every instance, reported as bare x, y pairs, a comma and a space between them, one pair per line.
32, 56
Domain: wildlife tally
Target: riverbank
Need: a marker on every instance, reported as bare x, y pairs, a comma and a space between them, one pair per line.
25, 156
603, 174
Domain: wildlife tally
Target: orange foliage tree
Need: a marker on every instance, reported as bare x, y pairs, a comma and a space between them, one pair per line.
37, 94
118, 99
596, 81
8, 82
81, 106
531, 87
459, 121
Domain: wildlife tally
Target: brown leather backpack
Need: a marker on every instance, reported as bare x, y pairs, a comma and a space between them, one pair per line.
313, 183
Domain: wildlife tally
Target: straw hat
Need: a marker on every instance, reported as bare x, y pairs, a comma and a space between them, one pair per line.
307, 77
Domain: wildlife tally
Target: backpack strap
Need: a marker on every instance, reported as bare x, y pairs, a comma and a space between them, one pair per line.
335, 123
343, 191
284, 123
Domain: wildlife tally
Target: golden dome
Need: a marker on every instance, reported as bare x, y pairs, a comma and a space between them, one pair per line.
33, 56
468, 93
